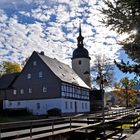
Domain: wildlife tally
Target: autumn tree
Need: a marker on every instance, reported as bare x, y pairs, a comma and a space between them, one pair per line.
123, 16
103, 66
125, 92
9, 67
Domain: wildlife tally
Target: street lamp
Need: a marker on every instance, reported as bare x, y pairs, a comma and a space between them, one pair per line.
102, 81
126, 92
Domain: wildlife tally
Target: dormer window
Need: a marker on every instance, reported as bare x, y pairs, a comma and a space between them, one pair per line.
29, 76
34, 63
40, 74
60, 67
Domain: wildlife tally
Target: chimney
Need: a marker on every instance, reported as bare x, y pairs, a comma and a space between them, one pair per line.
42, 53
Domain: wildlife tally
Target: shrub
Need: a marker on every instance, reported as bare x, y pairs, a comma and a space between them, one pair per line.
54, 112
16, 112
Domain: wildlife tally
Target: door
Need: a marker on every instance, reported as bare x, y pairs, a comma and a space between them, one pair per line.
75, 107
1, 105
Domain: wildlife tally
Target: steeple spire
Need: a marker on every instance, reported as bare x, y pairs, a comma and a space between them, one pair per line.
80, 38
80, 33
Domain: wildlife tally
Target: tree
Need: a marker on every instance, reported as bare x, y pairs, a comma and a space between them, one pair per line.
125, 91
103, 67
126, 67
9, 67
123, 16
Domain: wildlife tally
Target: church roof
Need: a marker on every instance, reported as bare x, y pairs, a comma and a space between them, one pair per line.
63, 71
80, 53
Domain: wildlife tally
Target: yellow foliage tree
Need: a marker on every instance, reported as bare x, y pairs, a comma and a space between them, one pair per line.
10, 67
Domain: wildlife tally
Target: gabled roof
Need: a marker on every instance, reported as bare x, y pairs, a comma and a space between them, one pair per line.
7, 80
62, 71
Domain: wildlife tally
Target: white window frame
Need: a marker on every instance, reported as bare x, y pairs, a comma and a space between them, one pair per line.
29, 76
14, 92
40, 74
44, 89
30, 90
34, 63
21, 91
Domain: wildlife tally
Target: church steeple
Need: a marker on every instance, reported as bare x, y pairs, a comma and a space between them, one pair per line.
81, 59
80, 38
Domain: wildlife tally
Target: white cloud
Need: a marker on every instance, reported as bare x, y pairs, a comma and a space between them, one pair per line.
47, 34
28, 1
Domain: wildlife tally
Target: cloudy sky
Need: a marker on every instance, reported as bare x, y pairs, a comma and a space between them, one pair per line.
52, 26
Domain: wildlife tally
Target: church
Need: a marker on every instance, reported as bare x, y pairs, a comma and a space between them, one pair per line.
46, 83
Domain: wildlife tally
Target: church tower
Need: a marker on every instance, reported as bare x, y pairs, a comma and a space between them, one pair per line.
81, 60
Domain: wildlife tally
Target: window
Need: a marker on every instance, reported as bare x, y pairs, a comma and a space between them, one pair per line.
14, 92
10, 103
18, 103
70, 90
29, 76
82, 105
38, 105
71, 105
71, 94
86, 105
79, 62
40, 74
66, 105
44, 89
30, 90
34, 63
63, 94
22, 91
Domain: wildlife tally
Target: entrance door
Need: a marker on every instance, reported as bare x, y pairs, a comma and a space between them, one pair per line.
1, 105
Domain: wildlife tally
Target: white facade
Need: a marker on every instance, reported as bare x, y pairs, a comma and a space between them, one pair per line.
81, 66
40, 107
